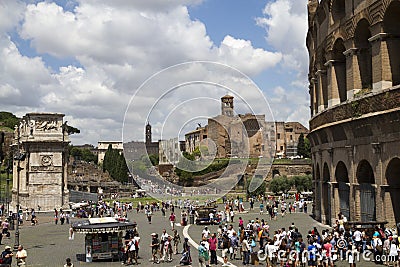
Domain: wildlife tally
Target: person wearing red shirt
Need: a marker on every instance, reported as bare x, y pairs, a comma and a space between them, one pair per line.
172, 220
328, 249
213, 248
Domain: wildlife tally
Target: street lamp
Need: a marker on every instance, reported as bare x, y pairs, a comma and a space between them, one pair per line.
1, 159
18, 157
8, 185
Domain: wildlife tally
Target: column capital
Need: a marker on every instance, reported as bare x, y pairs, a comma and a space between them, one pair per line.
350, 52
349, 151
378, 37
320, 72
376, 147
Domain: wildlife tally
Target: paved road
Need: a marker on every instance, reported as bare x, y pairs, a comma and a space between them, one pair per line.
47, 244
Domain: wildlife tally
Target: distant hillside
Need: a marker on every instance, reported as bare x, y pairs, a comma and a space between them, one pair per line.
7, 121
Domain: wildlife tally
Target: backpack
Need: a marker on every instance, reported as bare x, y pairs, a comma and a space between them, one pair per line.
204, 254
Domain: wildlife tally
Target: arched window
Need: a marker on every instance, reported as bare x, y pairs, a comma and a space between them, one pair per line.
342, 177
338, 10
366, 179
361, 36
340, 68
391, 26
393, 180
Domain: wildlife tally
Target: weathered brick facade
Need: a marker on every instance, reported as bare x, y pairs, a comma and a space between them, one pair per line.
354, 75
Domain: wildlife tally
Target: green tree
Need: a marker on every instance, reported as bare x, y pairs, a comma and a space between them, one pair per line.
88, 156
307, 146
75, 152
8, 119
154, 158
259, 191
280, 184
114, 163
303, 147
302, 183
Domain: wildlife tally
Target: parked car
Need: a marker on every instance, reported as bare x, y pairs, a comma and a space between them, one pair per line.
203, 215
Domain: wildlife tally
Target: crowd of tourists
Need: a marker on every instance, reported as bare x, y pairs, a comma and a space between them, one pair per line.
254, 241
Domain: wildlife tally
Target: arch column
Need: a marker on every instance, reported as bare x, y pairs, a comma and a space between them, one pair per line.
333, 87
353, 76
380, 193
334, 193
322, 86
381, 69
315, 96
352, 179
357, 202
336, 203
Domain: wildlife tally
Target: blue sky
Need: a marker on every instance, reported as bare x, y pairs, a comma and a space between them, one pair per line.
87, 58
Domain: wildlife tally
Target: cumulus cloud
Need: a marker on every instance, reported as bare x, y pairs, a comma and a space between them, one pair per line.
285, 22
117, 45
290, 105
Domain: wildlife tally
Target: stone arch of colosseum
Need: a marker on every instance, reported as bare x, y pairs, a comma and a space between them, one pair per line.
392, 30
392, 174
366, 191
326, 194
355, 45
343, 185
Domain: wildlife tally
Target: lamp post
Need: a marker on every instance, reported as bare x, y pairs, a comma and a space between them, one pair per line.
8, 186
1, 159
18, 156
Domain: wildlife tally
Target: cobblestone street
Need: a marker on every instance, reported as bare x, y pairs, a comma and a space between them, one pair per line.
47, 244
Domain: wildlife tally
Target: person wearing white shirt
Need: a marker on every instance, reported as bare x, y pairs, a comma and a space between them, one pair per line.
205, 233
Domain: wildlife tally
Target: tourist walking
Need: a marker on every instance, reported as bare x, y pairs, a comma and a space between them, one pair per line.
203, 255
7, 255
21, 256
155, 244
176, 239
212, 241
68, 263
172, 220
55, 216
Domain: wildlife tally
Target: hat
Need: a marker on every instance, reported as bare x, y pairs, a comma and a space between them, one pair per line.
153, 234
7, 247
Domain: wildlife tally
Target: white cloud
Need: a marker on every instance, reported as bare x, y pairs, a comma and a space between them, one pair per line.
242, 55
290, 105
285, 22
10, 13
118, 44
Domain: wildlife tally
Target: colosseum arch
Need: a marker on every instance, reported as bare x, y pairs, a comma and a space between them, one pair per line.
366, 179
393, 180
338, 10
326, 194
342, 177
340, 69
317, 193
391, 26
364, 55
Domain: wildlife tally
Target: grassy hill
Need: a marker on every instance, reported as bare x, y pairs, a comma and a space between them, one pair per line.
7, 121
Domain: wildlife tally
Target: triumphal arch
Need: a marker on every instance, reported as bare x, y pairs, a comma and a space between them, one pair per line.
40, 150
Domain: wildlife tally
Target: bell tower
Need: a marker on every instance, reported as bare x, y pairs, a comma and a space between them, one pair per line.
227, 105
148, 133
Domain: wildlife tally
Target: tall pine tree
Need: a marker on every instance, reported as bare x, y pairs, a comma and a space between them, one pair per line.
303, 147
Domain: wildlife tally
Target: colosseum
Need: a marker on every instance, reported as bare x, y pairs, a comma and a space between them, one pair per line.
354, 77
